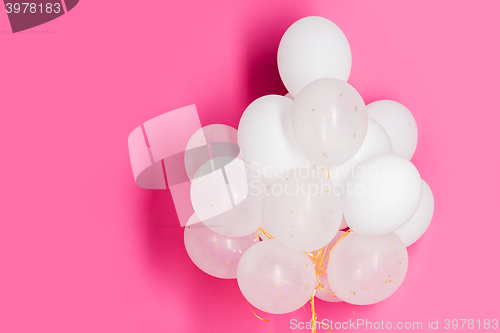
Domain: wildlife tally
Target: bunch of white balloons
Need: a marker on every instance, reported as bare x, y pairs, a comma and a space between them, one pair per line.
322, 199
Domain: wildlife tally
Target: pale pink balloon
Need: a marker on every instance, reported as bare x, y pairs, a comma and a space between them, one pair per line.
275, 278
213, 253
367, 269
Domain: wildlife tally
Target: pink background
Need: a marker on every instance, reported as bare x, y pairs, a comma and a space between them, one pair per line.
83, 249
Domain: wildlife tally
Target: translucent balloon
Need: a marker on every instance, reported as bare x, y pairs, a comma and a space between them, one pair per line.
313, 48
382, 195
274, 278
367, 269
412, 230
230, 199
376, 142
215, 254
211, 141
399, 124
325, 292
265, 138
303, 213
329, 121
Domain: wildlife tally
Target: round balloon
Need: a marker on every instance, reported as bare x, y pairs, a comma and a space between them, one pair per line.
313, 48
399, 124
367, 269
303, 213
213, 253
383, 194
230, 199
376, 142
208, 142
412, 230
265, 138
329, 121
275, 278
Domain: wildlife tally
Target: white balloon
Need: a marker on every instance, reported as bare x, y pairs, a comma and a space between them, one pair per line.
376, 142
275, 278
302, 213
382, 195
412, 230
211, 141
215, 254
313, 48
265, 138
230, 199
399, 124
329, 121
367, 269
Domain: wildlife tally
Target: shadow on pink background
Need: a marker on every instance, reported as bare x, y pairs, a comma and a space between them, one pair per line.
83, 249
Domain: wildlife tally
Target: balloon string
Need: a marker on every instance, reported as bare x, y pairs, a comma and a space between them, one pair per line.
261, 231
256, 315
327, 173
314, 317
319, 258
